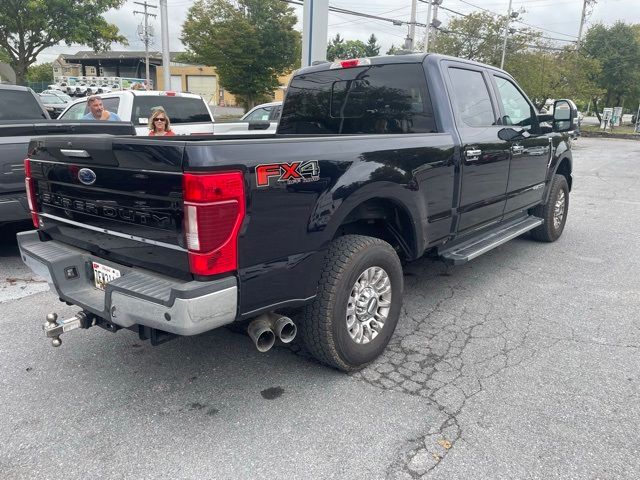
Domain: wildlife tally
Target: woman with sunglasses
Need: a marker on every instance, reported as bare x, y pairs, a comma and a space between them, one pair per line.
160, 125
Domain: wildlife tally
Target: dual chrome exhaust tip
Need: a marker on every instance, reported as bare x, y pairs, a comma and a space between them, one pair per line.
264, 330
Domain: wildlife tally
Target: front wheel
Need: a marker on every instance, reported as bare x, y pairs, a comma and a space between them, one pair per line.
554, 212
356, 310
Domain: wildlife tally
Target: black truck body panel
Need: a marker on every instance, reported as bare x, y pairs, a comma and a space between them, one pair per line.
133, 214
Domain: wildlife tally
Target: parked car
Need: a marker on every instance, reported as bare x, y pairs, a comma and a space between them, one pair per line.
259, 120
60, 94
375, 162
53, 103
188, 113
267, 112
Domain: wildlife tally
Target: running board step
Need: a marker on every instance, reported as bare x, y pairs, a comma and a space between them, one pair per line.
463, 252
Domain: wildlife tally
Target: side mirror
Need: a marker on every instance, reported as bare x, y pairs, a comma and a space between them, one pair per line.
508, 134
565, 116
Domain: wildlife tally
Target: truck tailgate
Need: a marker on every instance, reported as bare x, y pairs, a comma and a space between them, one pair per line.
120, 199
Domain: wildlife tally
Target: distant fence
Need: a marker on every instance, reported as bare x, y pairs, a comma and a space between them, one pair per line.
37, 86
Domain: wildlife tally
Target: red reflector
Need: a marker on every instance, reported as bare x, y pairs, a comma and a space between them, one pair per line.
31, 193
214, 208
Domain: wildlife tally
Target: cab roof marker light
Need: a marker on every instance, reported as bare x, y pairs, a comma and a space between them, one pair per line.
351, 63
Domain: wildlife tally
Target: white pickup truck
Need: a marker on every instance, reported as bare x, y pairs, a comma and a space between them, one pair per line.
260, 119
189, 113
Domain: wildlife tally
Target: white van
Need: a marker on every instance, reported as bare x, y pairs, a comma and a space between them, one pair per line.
189, 113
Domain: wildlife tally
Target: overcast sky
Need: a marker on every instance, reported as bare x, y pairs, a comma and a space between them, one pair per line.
554, 18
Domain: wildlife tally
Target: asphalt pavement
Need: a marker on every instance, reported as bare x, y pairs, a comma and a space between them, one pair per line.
523, 364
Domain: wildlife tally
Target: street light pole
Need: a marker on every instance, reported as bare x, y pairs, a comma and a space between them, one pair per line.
506, 33
412, 26
166, 60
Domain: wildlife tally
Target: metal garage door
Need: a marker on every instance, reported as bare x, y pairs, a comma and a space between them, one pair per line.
176, 83
205, 85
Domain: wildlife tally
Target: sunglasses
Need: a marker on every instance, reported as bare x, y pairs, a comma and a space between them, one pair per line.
160, 120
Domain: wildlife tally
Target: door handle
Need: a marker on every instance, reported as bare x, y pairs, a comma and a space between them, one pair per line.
517, 149
472, 155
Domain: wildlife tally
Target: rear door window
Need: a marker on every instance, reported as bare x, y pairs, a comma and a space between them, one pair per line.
19, 105
178, 109
376, 99
259, 114
470, 98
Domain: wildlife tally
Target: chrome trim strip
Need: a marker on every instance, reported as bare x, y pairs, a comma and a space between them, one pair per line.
137, 170
75, 153
115, 234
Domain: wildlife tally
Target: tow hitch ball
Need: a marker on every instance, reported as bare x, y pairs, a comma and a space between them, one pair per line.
54, 328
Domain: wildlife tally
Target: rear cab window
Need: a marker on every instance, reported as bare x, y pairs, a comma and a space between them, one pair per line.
19, 105
179, 109
376, 99
470, 98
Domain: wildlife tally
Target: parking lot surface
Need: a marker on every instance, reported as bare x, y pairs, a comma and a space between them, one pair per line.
523, 363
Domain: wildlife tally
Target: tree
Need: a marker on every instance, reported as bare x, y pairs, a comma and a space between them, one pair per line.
546, 73
617, 48
338, 48
250, 42
372, 47
480, 36
40, 73
28, 27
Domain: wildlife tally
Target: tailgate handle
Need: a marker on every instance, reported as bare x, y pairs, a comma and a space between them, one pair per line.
75, 153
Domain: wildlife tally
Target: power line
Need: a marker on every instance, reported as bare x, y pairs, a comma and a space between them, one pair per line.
395, 21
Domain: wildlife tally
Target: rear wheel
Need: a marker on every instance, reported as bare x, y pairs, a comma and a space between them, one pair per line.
554, 212
357, 307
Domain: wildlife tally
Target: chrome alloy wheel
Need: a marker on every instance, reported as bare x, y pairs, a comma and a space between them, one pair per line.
368, 305
558, 210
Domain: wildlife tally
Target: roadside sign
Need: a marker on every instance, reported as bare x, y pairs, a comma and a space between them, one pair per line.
607, 113
616, 118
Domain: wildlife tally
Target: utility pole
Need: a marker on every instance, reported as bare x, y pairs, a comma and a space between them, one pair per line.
146, 34
164, 31
506, 33
412, 25
583, 20
435, 23
428, 28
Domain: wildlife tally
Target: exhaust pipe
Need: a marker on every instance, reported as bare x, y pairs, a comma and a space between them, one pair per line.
283, 327
264, 329
261, 333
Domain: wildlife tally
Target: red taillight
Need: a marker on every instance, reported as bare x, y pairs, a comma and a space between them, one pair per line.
31, 192
214, 207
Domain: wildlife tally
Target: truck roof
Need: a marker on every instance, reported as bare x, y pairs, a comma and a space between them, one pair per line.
4, 86
402, 58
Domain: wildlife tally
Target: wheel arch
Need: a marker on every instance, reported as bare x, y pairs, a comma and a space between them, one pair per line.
388, 218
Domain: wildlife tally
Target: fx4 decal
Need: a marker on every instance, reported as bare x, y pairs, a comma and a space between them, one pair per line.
288, 173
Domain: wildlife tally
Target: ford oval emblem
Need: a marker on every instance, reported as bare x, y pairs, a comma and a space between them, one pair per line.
87, 176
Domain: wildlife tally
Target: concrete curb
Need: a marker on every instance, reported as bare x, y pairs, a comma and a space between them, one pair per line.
624, 136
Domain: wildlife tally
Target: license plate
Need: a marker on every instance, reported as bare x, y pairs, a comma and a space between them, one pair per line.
103, 275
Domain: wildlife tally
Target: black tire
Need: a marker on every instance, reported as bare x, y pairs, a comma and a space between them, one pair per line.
323, 323
551, 230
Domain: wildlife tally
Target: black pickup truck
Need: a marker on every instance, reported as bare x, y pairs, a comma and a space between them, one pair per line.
22, 117
375, 162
